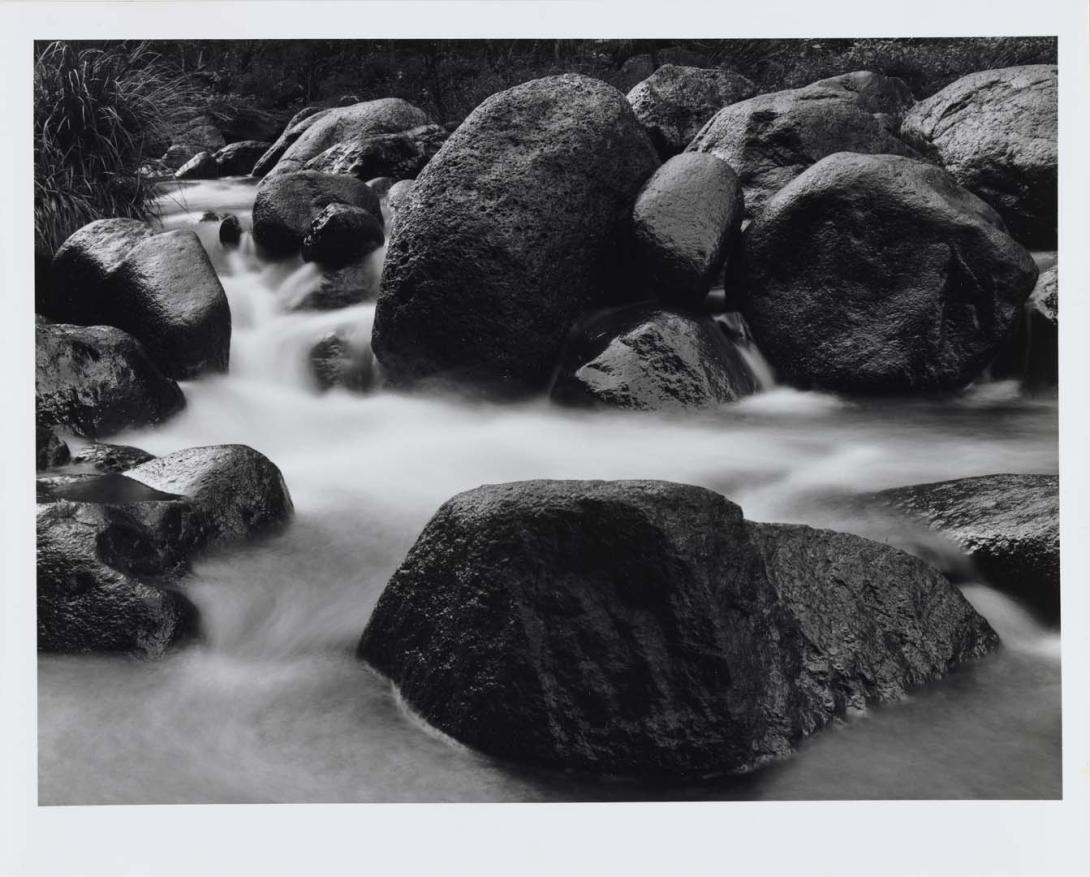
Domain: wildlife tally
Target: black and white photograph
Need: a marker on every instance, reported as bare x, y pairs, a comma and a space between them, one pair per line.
496, 417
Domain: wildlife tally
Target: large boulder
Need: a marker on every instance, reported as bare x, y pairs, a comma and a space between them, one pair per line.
673, 103
351, 125
880, 274
84, 264
342, 234
652, 359
401, 155
287, 205
238, 159
98, 380
1008, 525
510, 233
295, 128
642, 627
772, 138
684, 223
995, 131
201, 166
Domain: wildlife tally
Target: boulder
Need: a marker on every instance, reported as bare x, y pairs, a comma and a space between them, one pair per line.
401, 155
1042, 367
684, 223
295, 128
201, 166
880, 274
336, 362
238, 159
287, 204
341, 234
49, 449
381, 185
996, 132
642, 627
652, 359
512, 232
234, 491
886, 96
230, 231
770, 139
98, 380
397, 195
167, 294
1008, 525
342, 287
673, 103
351, 126
110, 458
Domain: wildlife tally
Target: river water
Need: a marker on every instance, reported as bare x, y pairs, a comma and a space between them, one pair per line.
273, 706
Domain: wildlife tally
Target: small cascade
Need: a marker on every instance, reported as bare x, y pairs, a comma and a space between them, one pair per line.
734, 326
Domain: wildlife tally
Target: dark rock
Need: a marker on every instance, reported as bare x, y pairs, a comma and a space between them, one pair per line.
685, 221
230, 231
49, 449
234, 491
995, 131
84, 264
201, 166
167, 294
336, 362
111, 458
770, 139
400, 155
292, 132
238, 159
674, 103
287, 204
645, 628
98, 380
879, 274
209, 216
1008, 525
342, 287
1042, 367
341, 234
652, 359
381, 185
347, 125
512, 231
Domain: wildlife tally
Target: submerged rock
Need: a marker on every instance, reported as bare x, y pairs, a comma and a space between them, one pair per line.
880, 274
98, 380
338, 288
336, 362
342, 234
1008, 525
511, 232
673, 103
230, 231
770, 139
287, 205
239, 158
995, 131
684, 223
645, 628
652, 359
201, 166
49, 449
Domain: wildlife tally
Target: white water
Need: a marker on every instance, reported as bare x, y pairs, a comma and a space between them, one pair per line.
274, 707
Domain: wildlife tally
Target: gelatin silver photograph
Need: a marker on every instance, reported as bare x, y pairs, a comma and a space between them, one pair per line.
546, 420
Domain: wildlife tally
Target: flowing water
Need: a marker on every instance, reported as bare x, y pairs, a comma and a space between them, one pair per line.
273, 706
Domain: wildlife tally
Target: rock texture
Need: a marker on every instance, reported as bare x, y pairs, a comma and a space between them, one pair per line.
98, 380
1007, 524
295, 128
49, 449
111, 458
674, 102
645, 628
341, 234
995, 131
652, 359
880, 274
336, 362
510, 233
770, 139
401, 155
684, 223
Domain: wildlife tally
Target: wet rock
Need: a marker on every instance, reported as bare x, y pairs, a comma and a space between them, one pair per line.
98, 380
286, 205
201, 166
995, 131
674, 103
49, 449
1008, 525
111, 458
512, 231
652, 359
341, 287
879, 274
351, 126
230, 231
235, 491
167, 294
295, 128
400, 155
336, 362
341, 234
238, 159
685, 220
770, 139
645, 628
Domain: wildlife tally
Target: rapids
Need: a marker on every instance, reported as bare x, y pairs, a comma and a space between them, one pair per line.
274, 707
